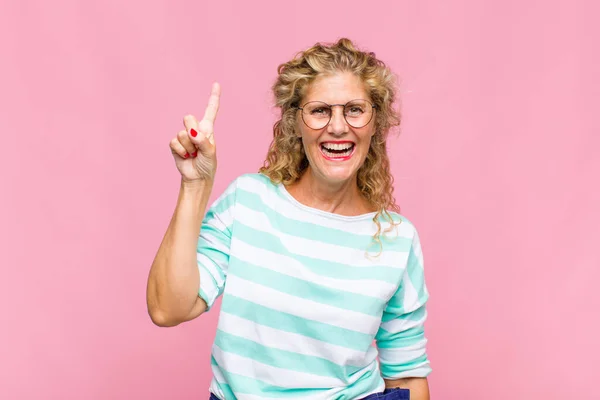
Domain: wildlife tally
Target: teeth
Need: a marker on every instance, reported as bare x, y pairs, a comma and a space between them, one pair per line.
338, 154
337, 146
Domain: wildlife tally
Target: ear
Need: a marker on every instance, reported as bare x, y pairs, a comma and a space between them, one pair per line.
298, 130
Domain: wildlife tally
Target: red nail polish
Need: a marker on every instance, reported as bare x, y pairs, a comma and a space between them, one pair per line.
186, 155
193, 132
194, 154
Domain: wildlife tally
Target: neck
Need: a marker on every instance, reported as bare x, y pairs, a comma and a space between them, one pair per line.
342, 198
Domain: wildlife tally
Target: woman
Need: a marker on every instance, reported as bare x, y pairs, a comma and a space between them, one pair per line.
310, 255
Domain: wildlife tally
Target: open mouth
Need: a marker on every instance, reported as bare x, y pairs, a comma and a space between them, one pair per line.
337, 151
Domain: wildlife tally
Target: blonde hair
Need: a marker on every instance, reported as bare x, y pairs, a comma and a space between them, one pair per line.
286, 160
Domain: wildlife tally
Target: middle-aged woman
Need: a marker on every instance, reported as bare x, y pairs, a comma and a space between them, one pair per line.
311, 256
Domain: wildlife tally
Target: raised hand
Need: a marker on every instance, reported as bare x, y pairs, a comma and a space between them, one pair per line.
194, 147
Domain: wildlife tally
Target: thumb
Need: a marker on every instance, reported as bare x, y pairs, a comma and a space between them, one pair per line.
196, 133
202, 140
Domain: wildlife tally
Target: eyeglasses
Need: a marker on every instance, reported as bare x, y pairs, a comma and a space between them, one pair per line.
317, 114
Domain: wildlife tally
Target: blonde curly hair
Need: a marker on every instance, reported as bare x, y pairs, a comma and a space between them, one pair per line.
286, 160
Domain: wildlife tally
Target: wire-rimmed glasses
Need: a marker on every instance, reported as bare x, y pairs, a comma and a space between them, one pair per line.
317, 114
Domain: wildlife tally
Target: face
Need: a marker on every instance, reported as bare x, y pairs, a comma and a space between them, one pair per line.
337, 151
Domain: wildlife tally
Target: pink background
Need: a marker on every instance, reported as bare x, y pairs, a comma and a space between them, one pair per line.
498, 165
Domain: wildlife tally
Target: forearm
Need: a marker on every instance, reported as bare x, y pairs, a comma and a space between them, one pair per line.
174, 279
419, 387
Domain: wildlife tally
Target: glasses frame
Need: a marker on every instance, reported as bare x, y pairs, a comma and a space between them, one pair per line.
373, 107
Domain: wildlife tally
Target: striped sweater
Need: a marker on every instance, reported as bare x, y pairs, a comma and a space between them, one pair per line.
312, 307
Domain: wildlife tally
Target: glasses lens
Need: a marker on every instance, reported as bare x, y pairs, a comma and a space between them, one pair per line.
358, 113
316, 114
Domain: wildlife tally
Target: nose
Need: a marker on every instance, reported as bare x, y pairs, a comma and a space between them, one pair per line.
337, 125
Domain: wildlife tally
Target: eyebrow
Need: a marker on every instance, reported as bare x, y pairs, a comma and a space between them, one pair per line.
333, 104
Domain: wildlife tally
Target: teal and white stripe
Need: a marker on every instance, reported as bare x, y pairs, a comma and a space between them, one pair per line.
302, 302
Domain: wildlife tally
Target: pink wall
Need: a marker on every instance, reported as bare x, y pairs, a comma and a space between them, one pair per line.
498, 165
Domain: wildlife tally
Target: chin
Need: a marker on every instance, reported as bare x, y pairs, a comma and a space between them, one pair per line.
338, 176
337, 171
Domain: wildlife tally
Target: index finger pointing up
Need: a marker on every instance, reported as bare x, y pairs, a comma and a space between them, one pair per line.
210, 113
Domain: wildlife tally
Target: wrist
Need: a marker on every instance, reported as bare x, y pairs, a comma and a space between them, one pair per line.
196, 185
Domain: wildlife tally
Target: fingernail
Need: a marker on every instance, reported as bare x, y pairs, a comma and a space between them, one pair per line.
193, 132
194, 154
186, 155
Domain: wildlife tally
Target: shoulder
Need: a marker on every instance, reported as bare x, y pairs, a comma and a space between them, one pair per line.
253, 179
248, 180
401, 235
404, 226
251, 186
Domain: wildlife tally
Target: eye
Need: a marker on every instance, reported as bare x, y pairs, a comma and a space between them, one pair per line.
354, 110
320, 111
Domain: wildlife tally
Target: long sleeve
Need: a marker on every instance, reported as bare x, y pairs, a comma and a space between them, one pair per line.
401, 338
214, 244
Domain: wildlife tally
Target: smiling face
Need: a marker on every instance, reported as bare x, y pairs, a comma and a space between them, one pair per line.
337, 151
